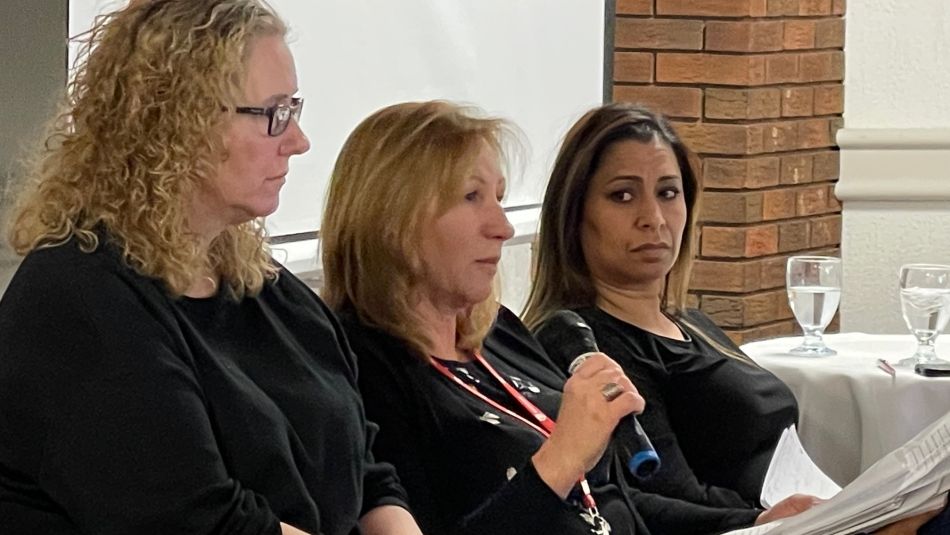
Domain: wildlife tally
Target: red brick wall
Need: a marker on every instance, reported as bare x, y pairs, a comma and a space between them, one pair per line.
754, 87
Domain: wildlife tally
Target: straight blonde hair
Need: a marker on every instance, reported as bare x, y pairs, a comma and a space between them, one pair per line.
401, 168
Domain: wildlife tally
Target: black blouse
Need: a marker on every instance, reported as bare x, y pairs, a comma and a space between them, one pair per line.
124, 410
714, 419
466, 466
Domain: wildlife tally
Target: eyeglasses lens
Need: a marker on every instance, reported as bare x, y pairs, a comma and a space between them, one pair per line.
282, 114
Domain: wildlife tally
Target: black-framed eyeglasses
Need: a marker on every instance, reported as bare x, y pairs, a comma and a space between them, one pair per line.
278, 115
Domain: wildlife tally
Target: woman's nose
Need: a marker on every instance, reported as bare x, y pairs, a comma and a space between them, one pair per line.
499, 227
649, 214
295, 141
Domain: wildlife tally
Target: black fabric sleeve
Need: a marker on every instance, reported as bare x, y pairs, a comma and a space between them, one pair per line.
381, 485
669, 515
430, 481
126, 442
504, 511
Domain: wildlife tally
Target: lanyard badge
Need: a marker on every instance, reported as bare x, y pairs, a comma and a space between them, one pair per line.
542, 424
598, 524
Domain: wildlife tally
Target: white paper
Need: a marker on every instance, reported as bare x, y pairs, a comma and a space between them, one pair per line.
792, 471
910, 480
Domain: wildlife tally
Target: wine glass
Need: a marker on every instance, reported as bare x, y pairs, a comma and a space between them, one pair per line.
814, 290
925, 303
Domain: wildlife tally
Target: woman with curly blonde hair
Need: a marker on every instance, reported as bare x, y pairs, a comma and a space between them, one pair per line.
160, 373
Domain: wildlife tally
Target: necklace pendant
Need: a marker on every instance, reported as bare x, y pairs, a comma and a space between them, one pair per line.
598, 524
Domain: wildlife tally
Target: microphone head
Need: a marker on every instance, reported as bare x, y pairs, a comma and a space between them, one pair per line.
565, 336
644, 464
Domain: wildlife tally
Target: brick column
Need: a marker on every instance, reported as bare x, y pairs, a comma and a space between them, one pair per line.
754, 87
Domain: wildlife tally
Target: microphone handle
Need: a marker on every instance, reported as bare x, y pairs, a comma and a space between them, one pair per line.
645, 461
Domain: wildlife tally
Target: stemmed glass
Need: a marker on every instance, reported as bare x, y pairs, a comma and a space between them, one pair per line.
925, 303
814, 290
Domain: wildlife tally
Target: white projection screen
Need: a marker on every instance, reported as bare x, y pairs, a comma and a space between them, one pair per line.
539, 63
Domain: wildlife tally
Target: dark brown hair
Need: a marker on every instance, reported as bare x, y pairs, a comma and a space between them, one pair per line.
561, 275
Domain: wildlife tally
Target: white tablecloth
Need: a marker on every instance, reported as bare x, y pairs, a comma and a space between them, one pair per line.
851, 412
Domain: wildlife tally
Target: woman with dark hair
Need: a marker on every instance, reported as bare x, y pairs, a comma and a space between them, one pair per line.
159, 372
616, 242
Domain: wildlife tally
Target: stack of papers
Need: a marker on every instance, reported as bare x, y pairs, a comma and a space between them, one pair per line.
910, 480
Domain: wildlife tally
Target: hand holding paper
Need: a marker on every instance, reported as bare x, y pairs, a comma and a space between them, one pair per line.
911, 480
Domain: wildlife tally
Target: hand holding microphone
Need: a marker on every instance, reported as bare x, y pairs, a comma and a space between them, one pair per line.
595, 399
567, 338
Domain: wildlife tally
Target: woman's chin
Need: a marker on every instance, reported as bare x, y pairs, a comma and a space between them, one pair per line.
477, 297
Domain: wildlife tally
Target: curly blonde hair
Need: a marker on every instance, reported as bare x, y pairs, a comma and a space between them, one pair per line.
140, 130
401, 168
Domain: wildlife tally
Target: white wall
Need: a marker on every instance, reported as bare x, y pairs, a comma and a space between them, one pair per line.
897, 64
539, 63
895, 153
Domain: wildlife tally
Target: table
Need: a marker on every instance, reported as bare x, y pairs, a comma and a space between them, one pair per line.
851, 413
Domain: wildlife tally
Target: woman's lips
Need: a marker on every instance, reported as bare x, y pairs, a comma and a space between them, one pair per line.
650, 247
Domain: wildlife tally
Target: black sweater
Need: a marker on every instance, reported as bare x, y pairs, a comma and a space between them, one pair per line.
123, 410
455, 460
714, 420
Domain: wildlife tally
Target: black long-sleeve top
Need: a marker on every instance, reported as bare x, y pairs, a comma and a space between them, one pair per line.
466, 466
124, 410
713, 419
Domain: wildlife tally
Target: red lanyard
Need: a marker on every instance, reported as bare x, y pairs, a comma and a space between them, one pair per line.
544, 425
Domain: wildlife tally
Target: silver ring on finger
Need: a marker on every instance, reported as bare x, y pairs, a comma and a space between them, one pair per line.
610, 391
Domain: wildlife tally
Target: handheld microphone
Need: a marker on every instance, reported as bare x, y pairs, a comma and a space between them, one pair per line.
567, 338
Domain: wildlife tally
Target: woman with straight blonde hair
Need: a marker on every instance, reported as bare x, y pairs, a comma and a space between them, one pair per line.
159, 372
464, 396
379, 207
